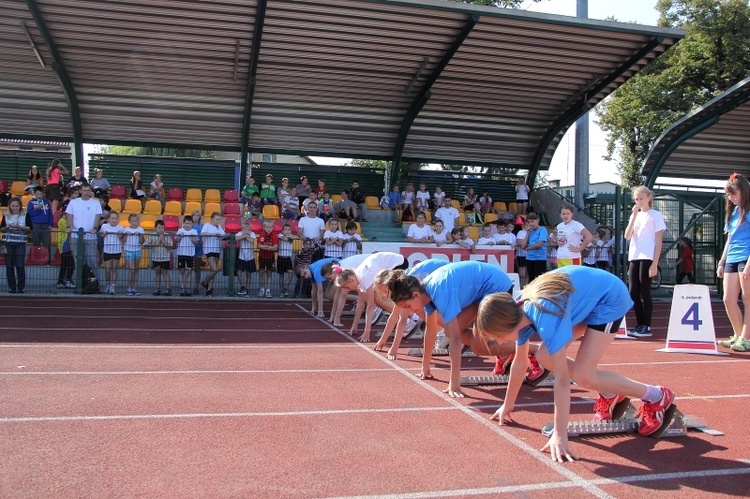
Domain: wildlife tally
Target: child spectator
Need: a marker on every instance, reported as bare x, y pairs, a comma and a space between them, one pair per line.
439, 235
423, 198
571, 237
67, 263
284, 259
590, 253
254, 209
188, 241
487, 238
603, 259
156, 189
133, 237
283, 192
248, 190
333, 239
268, 191
504, 237
437, 198
522, 196
461, 238
15, 229
290, 206
304, 257
246, 258
684, 264
40, 213
407, 198
160, 249
420, 232
198, 255
352, 241
321, 188
535, 244
521, 255
111, 236
268, 244
485, 203
325, 206
99, 184
357, 196
395, 203
136, 186
468, 205
212, 234
55, 171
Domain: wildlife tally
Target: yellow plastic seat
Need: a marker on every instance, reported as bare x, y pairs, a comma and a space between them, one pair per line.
335, 198
473, 232
271, 211
115, 204
490, 217
211, 208
173, 208
148, 221
212, 196
456, 204
25, 201
500, 206
133, 206
17, 188
513, 207
372, 202
191, 206
153, 207
194, 196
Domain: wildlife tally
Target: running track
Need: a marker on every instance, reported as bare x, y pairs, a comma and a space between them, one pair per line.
117, 397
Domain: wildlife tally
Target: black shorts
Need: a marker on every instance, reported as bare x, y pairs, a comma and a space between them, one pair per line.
53, 192
110, 256
266, 264
520, 261
160, 265
185, 262
284, 264
518, 201
212, 255
734, 268
246, 266
610, 327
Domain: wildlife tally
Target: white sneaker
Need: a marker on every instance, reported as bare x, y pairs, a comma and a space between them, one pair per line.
268, 293
411, 323
261, 293
442, 340
376, 315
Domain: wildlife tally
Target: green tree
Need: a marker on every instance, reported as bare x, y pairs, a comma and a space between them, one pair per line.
156, 151
714, 55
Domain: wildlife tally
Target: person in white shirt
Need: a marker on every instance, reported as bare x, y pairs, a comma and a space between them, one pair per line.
420, 232
334, 240
212, 234
311, 226
487, 238
439, 235
111, 234
521, 255
485, 203
505, 238
84, 213
186, 240
571, 237
438, 198
352, 241
423, 198
448, 214
462, 238
246, 257
133, 237
522, 196
284, 264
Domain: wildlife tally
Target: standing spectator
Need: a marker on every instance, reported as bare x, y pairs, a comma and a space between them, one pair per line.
603, 260
246, 257
423, 198
303, 189
34, 178
685, 263
40, 213
408, 199
110, 233
521, 255
99, 184
133, 237
437, 197
77, 180
420, 232
55, 171
346, 208
15, 228
160, 250
522, 196
83, 214
311, 226
268, 191
198, 253
439, 235
321, 188
67, 263
156, 189
334, 240
535, 244
352, 241
571, 237
303, 259
187, 240
645, 231
284, 259
448, 214
268, 245
212, 234
469, 204
136, 186
248, 190
591, 252
357, 195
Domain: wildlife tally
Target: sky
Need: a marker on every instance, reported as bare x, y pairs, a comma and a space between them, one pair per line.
562, 167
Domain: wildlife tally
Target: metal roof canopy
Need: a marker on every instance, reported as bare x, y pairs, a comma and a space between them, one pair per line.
415, 80
710, 143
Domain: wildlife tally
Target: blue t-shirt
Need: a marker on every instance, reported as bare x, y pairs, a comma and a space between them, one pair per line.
393, 199
455, 286
316, 267
599, 298
426, 267
535, 236
739, 238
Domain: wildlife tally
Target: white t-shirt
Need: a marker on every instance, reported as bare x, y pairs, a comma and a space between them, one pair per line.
285, 247
369, 268
350, 247
333, 250
438, 197
247, 251
85, 215
522, 193
354, 261
643, 240
590, 257
186, 246
407, 197
521, 235
423, 199
419, 232
440, 238
112, 243
448, 216
133, 238
570, 234
507, 239
211, 244
311, 227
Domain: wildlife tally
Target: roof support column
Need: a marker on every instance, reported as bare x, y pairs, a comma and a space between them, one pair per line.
65, 82
424, 95
260, 19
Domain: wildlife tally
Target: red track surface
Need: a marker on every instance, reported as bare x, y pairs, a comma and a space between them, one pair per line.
176, 398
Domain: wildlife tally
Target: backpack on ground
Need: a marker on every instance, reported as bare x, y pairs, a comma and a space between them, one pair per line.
90, 282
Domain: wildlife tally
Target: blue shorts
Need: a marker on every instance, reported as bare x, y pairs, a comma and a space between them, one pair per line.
133, 255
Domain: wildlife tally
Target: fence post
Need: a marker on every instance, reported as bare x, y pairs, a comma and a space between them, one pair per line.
80, 260
231, 271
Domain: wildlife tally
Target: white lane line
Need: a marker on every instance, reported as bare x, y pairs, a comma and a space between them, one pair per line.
113, 318
197, 371
26, 329
484, 420
171, 346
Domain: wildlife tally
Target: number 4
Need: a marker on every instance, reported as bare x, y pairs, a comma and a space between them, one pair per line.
695, 320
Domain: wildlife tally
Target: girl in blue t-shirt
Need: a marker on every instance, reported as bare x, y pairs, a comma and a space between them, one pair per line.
562, 306
733, 266
449, 297
313, 271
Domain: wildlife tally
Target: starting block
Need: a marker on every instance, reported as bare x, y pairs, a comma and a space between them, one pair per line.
440, 352
502, 379
678, 425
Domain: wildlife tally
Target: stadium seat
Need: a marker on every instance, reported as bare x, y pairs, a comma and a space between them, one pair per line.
37, 255
256, 224
18, 188
173, 208
473, 232
191, 206
148, 221
175, 194
153, 207
335, 198
372, 202
115, 204
133, 206
212, 196
456, 204
271, 211
231, 196
500, 206
490, 217
210, 208
513, 207
194, 196
118, 192
232, 209
25, 201
3, 187
294, 224
171, 222
233, 224
278, 225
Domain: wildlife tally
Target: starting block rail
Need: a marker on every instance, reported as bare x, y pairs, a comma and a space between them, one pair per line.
501, 379
439, 352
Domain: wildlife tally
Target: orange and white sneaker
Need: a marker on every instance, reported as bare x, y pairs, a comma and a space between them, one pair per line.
502, 364
609, 408
536, 373
655, 415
